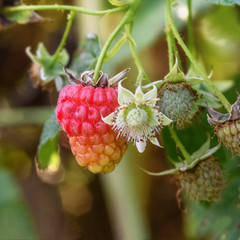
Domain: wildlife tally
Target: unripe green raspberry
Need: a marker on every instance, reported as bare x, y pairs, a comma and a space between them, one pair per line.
227, 126
178, 102
204, 182
229, 134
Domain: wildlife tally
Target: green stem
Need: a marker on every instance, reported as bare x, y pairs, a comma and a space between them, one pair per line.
172, 47
141, 72
213, 87
116, 48
64, 38
190, 38
61, 7
169, 43
179, 144
127, 18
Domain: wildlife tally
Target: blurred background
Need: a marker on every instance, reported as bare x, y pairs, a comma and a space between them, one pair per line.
127, 204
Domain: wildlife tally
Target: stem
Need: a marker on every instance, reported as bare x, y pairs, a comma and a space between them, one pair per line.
116, 48
62, 7
141, 72
169, 43
213, 87
172, 48
64, 38
127, 18
179, 144
190, 38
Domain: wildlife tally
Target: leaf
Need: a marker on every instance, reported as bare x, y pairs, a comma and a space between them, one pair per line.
23, 17
48, 142
224, 85
86, 56
50, 68
202, 150
8, 18
209, 98
225, 2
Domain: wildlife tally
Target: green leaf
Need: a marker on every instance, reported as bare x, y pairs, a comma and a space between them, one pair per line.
224, 85
15, 220
86, 56
210, 98
48, 143
225, 2
20, 17
51, 68
202, 150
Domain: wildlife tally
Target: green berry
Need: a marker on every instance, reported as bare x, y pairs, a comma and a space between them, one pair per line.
204, 182
229, 134
178, 102
227, 126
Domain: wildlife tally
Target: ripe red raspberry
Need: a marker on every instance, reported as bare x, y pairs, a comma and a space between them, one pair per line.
79, 111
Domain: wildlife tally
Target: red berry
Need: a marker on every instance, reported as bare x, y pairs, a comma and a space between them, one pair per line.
92, 141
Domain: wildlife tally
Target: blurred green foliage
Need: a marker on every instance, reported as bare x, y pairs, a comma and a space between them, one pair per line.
15, 219
225, 2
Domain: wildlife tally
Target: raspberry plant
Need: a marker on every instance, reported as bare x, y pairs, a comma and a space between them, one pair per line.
97, 116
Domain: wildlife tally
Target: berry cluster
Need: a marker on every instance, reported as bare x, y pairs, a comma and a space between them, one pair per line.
99, 119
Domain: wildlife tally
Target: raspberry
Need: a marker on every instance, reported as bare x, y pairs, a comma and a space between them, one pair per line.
229, 134
227, 126
93, 142
178, 102
204, 182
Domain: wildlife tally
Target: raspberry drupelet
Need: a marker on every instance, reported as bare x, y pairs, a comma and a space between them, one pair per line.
79, 111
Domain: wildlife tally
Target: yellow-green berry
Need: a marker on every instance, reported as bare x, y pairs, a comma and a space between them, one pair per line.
204, 182
229, 134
